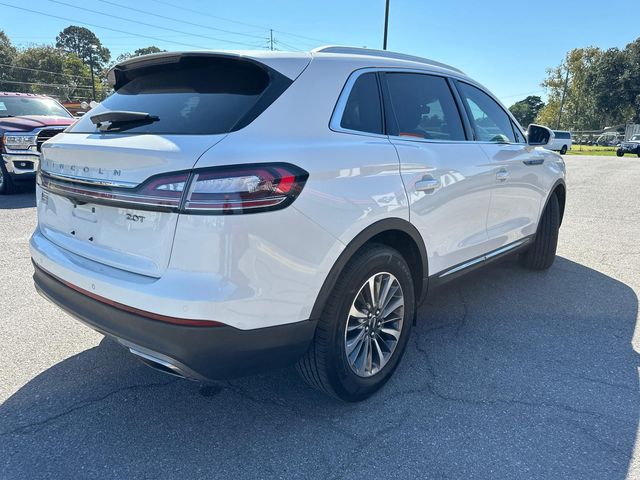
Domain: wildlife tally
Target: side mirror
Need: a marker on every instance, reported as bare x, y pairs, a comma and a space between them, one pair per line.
539, 136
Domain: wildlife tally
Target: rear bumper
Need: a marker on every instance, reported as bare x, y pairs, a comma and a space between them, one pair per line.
200, 353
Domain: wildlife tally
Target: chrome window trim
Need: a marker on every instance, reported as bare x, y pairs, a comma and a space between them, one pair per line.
341, 104
504, 109
338, 111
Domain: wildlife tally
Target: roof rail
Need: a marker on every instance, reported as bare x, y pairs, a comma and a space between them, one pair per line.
382, 53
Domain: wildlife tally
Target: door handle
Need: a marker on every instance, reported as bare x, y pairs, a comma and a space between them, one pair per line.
427, 184
536, 161
502, 175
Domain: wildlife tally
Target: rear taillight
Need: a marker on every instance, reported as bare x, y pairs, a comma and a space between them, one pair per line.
244, 189
212, 191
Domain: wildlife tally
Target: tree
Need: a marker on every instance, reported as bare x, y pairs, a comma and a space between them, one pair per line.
48, 70
140, 51
570, 103
7, 55
527, 110
630, 81
85, 44
606, 88
147, 50
579, 106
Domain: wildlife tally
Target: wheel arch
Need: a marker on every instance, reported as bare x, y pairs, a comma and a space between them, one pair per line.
396, 233
560, 190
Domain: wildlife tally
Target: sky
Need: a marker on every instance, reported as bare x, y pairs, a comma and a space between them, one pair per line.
504, 45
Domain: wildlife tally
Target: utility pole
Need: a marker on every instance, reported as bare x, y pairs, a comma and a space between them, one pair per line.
93, 83
271, 39
564, 92
386, 25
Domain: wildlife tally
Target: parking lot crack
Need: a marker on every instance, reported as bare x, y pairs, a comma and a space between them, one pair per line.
36, 426
605, 383
465, 313
429, 386
262, 401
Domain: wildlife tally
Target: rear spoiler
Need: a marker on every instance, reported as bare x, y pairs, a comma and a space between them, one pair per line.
287, 64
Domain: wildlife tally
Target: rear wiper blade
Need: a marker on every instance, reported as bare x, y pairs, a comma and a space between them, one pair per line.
108, 120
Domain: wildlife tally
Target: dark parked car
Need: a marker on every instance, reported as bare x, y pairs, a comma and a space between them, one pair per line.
630, 146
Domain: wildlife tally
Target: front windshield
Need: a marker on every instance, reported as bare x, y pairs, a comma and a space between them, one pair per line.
19, 106
636, 137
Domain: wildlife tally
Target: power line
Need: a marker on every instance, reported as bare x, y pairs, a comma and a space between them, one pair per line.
66, 19
286, 45
43, 71
65, 85
206, 14
181, 21
305, 44
147, 24
313, 40
107, 37
181, 7
523, 94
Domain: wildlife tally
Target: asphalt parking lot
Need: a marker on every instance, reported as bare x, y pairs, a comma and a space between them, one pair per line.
509, 374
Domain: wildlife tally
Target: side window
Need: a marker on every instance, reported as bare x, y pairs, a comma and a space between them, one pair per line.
490, 122
424, 107
519, 137
363, 111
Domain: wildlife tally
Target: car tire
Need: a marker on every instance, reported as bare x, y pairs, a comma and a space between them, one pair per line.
328, 366
619, 153
542, 253
7, 185
563, 150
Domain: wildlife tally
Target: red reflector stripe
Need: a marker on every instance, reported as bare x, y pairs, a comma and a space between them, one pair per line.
143, 313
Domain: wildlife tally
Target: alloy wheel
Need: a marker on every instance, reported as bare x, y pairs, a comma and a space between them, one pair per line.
374, 324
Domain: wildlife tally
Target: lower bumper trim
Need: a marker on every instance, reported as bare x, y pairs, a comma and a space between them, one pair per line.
199, 353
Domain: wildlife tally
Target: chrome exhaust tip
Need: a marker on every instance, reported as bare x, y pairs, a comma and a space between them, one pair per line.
157, 363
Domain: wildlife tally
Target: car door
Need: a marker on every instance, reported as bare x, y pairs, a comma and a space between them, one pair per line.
517, 190
448, 179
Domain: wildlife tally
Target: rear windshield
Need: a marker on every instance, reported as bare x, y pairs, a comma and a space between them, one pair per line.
197, 95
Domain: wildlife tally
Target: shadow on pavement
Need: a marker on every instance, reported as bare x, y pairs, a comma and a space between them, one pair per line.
25, 198
508, 374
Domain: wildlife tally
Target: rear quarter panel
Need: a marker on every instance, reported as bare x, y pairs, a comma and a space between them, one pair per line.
354, 181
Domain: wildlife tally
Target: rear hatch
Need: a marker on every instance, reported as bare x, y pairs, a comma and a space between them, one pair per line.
110, 190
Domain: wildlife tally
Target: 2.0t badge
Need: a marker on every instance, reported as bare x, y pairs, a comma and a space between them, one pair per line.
135, 218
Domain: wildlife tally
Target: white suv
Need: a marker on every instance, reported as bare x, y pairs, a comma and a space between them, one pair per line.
222, 213
561, 142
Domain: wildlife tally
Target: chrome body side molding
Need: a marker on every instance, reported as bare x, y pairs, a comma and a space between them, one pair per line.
478, 261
